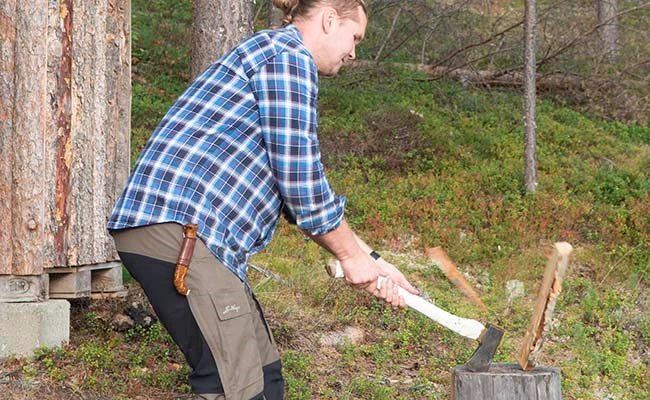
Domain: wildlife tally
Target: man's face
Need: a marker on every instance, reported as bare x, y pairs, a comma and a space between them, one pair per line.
346, 33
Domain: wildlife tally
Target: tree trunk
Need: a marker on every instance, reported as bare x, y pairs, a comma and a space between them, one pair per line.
530, 98
118, 98
389, 34
607, 10
8, 19
488, 79
506, 382
275, 15
217, 26
27, 145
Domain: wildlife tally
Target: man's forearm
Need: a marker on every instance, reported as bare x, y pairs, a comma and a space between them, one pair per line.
364, 247
341, 242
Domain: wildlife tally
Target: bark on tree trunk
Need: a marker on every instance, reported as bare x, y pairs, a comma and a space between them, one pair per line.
506, 382
88, 196
607, 10
275, 15
64, 130
118, 99
217, 26
530, 152
28, 209
8, 21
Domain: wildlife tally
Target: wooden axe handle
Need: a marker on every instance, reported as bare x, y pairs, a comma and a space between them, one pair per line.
465, 327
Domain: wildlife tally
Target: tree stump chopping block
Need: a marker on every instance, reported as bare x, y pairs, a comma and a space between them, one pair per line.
506, 382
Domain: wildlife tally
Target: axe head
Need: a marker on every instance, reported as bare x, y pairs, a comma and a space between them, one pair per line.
488, 343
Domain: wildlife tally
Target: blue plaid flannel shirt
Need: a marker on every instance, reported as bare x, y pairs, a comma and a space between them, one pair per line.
236, 150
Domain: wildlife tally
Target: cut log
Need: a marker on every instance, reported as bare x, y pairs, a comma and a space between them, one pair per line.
64, 131
506, 382
118, 97
545, 305
28, 208
8, 23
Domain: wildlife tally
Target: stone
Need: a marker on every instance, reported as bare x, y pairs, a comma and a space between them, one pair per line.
122, 323
25, 327
515, 289
141, 314
349, 335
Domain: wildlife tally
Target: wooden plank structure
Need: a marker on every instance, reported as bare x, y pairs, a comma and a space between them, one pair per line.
65, 93
74, 282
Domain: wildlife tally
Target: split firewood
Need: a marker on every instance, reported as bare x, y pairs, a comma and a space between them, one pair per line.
545, 305
447, 266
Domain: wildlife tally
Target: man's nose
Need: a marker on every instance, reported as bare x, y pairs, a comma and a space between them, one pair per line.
353, 54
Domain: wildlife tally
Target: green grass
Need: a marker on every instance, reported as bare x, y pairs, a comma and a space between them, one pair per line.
422, 163
160, 63
460, 187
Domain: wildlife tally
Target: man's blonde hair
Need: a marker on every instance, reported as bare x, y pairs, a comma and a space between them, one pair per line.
295, 9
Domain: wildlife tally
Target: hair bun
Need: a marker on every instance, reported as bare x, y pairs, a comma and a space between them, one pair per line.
287, 6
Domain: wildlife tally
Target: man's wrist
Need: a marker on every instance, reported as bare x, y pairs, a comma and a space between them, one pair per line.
375, 255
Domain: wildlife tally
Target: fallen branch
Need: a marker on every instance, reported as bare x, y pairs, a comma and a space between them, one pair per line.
545, 82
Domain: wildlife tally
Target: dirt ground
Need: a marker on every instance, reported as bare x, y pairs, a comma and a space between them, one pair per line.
80, 371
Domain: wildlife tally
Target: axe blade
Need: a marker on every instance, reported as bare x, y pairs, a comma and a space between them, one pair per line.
484, 353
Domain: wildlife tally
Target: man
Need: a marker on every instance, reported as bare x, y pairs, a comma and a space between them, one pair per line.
236, 151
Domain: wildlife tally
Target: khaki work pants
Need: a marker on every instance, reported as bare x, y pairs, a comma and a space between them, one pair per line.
219, 325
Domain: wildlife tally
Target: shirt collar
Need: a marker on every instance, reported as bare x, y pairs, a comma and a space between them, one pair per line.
294, 29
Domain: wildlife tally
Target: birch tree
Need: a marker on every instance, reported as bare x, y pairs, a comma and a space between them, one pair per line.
607, 17
530, 97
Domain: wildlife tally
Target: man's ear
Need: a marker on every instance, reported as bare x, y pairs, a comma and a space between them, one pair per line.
329, 18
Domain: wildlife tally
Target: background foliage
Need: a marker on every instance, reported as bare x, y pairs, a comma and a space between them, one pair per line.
487, 35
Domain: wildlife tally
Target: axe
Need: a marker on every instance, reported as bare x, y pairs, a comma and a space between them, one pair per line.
488, 336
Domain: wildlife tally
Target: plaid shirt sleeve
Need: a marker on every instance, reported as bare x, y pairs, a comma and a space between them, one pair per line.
287, 92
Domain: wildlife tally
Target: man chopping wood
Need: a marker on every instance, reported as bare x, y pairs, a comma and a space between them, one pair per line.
235, 152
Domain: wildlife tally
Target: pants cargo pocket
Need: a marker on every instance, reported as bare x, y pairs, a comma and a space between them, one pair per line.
226, 322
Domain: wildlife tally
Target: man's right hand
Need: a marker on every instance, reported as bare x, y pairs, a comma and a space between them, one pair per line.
362, 272
360, 269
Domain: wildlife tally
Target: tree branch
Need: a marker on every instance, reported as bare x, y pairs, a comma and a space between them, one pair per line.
588, 33
390, 33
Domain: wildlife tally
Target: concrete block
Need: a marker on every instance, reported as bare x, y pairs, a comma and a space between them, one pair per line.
22, 288
27, 326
